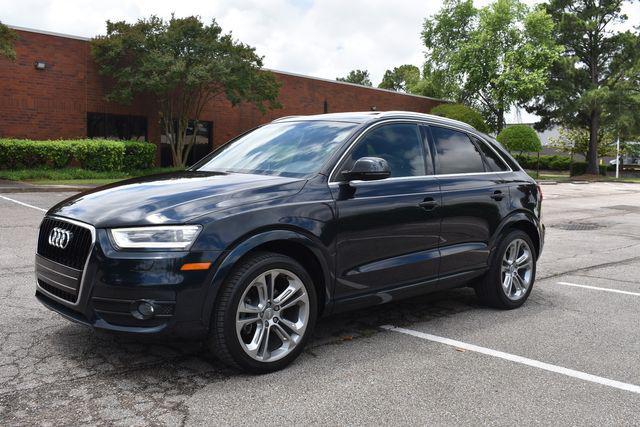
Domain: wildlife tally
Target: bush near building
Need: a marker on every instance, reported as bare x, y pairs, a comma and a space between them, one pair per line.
91, 154
520, 138
461, 113
551, 163
580, 168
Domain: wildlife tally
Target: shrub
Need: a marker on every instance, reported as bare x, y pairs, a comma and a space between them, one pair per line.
60, 153
520, 138
462, 113
98, 155
580, 168
138, 155
558, 163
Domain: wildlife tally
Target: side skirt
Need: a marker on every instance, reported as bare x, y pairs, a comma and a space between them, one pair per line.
406, 291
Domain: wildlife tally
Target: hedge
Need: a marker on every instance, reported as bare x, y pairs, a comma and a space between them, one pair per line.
462, 113
555, 163
580, 168
92, 154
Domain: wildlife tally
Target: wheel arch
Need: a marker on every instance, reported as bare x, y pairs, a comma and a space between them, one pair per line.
520, 220
305, 249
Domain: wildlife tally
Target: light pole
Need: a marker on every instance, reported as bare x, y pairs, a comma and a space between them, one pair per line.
618, 156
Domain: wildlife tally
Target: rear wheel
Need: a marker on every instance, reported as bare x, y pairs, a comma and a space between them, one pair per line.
511, 275
265, 314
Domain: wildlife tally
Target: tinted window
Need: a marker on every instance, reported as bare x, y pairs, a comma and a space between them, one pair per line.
456, 152
504, 153
399, 144
285, 148
494, 162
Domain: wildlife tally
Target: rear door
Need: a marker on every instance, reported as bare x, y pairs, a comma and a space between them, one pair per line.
388, 229
474, 200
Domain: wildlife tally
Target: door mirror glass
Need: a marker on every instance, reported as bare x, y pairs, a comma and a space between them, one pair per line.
368, 169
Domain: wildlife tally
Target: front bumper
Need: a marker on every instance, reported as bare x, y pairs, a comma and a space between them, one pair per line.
114, 283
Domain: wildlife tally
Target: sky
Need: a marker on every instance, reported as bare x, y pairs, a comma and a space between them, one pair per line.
320, 38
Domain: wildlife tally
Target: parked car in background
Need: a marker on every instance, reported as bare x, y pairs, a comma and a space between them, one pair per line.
299, 218
625, 161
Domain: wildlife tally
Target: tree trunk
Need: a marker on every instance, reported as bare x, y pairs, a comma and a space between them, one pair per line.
592, 153
500, 120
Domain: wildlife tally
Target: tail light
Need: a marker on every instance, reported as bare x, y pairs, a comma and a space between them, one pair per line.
540, 191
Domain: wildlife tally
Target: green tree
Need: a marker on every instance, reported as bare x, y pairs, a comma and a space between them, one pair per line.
521, 138
359, 77
494, 58
576, 141
594, 82
401, 79
7, 39
182, 65
462, 113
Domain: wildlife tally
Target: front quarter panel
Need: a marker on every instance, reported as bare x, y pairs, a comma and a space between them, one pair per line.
306, 218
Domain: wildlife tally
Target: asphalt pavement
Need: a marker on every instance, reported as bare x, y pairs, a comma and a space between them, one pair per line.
570, 355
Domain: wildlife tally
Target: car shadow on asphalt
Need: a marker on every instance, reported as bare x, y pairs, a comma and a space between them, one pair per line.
106, 352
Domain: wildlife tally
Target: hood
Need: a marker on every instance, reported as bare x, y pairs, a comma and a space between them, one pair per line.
172, 198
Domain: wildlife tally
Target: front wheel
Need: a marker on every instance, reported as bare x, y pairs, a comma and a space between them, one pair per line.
265, 314
511, 274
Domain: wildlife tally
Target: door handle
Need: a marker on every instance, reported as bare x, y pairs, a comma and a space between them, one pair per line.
428, 204
497, 195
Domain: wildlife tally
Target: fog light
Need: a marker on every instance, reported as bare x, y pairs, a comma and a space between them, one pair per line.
144, 310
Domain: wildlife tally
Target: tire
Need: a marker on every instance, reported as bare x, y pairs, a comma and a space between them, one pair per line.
497, 291
246, 299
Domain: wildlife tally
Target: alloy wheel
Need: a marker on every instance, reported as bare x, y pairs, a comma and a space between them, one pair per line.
517, 269
272, 315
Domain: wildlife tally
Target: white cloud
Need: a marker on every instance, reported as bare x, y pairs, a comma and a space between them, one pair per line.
323, 38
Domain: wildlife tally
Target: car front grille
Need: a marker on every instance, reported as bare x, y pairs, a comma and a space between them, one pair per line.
59, 266
76, 252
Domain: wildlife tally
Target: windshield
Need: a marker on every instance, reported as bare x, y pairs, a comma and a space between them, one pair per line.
289, 149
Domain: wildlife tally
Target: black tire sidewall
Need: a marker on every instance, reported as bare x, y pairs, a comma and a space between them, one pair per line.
274, 261
495, 274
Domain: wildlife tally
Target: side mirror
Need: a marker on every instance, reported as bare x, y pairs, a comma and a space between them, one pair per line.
368, 169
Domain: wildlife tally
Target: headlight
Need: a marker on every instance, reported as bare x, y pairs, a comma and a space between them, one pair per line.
156, 237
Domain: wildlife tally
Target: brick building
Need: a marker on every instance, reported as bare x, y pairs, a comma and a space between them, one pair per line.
53, 90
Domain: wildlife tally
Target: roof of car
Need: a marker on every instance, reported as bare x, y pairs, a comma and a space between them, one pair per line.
369, 116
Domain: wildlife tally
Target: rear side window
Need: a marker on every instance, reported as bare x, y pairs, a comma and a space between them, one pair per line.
399, 144
456, 152
494, 163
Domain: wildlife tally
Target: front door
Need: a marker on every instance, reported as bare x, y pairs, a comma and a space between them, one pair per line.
388, 230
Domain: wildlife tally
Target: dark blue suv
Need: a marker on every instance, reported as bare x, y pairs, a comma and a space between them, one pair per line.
301, 217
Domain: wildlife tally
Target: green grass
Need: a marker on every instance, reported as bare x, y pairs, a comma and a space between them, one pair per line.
76, 175
621, 179
550, 175
561, 176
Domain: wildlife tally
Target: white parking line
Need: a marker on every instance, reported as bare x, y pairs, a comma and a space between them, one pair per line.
23, 204
518, 359
617, 291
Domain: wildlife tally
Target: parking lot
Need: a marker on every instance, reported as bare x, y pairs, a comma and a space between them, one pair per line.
570, 355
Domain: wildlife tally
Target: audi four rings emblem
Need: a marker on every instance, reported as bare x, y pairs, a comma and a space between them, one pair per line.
59, 237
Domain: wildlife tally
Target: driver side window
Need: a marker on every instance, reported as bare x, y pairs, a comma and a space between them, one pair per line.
399, 144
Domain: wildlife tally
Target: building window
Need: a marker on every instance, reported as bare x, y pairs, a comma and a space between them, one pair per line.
116, 126
201, 147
